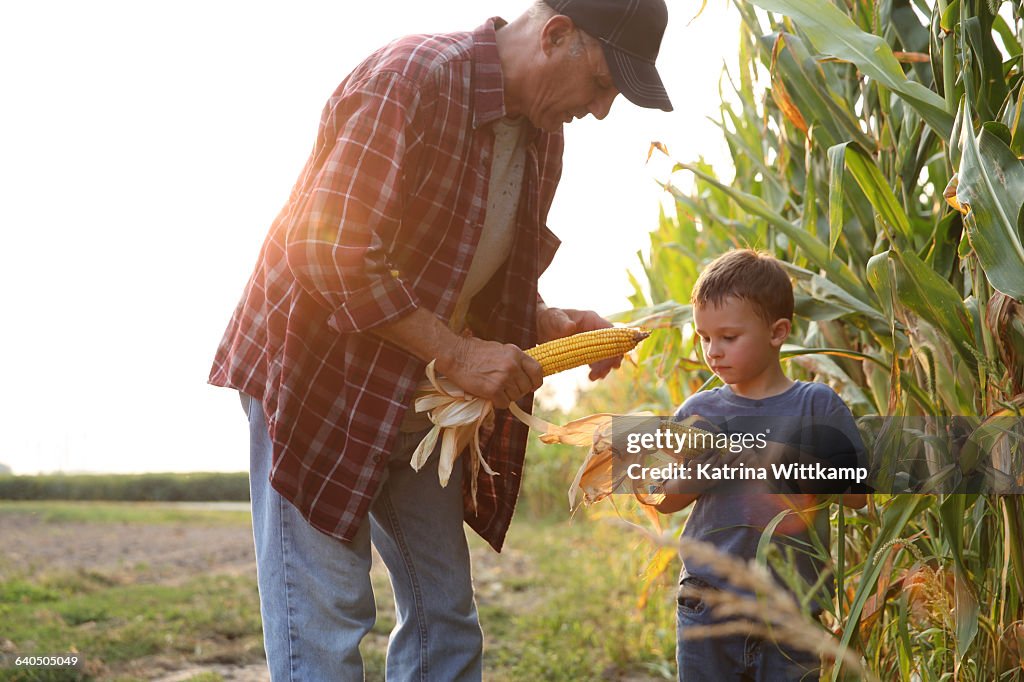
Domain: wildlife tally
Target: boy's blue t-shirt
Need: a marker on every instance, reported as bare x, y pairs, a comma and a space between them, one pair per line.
733, 514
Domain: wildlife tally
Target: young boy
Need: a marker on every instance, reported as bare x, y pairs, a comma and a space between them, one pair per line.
742, 311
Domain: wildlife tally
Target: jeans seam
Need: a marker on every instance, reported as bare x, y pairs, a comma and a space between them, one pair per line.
751, 651
403, 547
287, 591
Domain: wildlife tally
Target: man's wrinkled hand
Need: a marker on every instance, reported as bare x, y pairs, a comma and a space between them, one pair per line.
498, 372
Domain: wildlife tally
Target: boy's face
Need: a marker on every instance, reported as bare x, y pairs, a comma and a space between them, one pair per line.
739, 346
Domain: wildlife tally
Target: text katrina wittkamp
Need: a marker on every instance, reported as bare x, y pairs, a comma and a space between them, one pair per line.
709, 471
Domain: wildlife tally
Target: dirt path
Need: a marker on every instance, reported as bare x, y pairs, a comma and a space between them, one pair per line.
172, 553
163, 553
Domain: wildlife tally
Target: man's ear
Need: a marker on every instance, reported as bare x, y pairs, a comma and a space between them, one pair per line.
556, 32
780, 331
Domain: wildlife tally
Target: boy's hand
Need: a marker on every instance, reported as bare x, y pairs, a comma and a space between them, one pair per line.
681, 493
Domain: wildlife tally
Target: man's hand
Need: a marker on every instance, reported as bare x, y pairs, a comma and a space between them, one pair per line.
557, 323
500, 373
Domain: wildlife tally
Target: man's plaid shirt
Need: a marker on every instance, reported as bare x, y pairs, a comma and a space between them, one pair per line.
385, 218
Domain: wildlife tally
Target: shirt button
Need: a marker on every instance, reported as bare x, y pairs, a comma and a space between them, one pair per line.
377, 458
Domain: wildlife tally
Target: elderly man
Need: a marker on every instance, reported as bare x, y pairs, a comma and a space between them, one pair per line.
415, 232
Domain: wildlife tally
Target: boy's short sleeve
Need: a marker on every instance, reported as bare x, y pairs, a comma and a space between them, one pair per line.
696, 405
834, 441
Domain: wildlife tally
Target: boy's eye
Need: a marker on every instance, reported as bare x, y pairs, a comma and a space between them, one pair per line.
728, 338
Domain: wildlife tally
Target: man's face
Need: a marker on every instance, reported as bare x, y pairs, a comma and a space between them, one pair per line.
571, 79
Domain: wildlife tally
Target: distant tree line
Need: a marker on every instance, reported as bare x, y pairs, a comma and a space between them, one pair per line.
199, 487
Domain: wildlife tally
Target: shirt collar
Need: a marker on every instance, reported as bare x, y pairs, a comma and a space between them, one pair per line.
489, 89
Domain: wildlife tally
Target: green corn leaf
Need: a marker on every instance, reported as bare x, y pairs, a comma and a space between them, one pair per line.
816, 251
951, 512
951, 17
874, 185
821, 289
809, 214
991, 189
837, 167
834, 33
808, 86
1015, 123
894, 519
1010, 40
933, 298
881, 279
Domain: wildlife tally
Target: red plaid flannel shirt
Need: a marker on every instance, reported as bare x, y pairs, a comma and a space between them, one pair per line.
385, 218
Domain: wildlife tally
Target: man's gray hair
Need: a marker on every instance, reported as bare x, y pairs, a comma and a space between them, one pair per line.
541, 11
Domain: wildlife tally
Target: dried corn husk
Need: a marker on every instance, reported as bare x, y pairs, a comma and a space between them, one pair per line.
604, 468
457, 416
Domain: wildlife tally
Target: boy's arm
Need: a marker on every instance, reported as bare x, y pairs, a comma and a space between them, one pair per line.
680, 494
673, 502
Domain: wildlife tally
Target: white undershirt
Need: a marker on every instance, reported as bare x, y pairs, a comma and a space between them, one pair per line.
495, 244
496, 235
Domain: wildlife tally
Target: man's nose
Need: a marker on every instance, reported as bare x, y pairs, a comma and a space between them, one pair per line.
602, 104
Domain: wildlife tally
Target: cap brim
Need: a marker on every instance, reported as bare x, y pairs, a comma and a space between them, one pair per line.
636, 79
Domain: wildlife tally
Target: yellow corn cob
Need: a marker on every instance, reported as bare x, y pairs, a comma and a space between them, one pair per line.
586, 347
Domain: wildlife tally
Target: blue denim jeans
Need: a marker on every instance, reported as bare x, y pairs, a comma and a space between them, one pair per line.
739, 657
315, 594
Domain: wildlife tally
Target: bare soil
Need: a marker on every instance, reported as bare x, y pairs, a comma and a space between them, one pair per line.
160, 553
173, 553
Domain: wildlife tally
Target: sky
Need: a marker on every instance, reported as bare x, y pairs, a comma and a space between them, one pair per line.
145, 150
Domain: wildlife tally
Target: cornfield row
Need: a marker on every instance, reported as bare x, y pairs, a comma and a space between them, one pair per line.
876, 149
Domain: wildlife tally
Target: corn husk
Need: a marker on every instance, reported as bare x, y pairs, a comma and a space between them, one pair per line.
604, 469
457, 418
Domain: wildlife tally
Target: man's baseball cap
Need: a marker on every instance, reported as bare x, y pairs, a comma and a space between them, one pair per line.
630, 33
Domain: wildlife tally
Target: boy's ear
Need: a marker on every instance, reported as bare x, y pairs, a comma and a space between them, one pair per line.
780, 331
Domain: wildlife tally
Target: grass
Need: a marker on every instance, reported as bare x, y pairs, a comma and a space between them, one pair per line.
559, 604
111, 625
577, 615
143, 513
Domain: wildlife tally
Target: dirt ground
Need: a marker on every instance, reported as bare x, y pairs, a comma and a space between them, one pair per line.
165, 553
159, 553
172, 553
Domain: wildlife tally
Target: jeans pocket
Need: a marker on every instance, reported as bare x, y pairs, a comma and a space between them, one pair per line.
690, 600
691, 606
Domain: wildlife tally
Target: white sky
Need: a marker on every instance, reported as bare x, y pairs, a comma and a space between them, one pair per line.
144, 152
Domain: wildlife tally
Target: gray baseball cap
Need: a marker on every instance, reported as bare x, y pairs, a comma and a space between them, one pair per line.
630, 32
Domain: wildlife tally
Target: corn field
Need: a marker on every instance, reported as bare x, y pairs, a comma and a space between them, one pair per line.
876, 150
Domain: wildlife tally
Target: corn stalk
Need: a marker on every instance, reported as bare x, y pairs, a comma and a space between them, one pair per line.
881, 160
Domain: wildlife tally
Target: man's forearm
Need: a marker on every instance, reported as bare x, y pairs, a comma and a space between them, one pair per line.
498, 372
422, 335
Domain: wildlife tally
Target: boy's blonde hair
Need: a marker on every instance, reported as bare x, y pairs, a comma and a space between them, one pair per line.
754, 276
